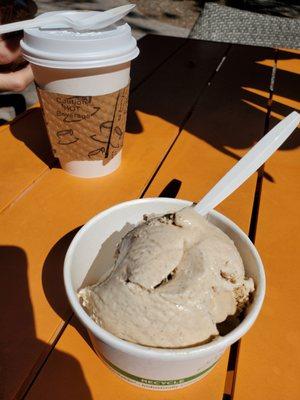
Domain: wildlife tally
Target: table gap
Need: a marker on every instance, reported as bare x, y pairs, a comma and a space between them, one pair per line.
25, 388
232, 367
277, 228
187, 117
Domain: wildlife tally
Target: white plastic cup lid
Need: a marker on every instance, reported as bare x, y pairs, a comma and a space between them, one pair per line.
68, 49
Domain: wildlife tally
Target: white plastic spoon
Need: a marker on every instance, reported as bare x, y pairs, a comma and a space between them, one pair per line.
77, 20
247, 165
95, 20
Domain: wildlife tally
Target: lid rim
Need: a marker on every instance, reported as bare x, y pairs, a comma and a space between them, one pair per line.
78, 64
28, 51
120, 30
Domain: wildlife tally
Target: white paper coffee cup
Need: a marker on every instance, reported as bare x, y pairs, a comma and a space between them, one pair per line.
91, 254
82, 64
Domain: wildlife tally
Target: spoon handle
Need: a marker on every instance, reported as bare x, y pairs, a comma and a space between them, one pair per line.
30, 23
247, 165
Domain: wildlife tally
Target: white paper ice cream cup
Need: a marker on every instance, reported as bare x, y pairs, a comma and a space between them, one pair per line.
91, 254
82, 64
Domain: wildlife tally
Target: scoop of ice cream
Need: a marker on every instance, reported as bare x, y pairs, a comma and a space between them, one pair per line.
175, 277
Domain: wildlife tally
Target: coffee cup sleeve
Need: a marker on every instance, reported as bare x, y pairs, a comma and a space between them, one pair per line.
85, 127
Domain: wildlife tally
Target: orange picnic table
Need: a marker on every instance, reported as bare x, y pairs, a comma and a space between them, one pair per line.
195, 108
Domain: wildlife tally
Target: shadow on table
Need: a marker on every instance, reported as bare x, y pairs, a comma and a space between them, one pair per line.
228, 107
229, 113
13, 100
18, 335
34, 135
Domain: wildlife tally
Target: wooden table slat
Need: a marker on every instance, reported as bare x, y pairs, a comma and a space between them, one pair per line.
19, 166
269, 359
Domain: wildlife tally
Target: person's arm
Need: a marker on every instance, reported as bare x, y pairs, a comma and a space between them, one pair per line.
15, 75
16, 81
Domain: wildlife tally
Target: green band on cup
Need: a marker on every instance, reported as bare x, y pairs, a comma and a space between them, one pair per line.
145, 381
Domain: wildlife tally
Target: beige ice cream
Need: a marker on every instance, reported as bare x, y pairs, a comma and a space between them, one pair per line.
174, 279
